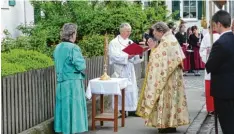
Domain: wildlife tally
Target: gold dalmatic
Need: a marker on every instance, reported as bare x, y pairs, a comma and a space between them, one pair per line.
162, 101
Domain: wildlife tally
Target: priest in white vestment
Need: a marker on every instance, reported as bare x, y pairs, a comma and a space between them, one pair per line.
123, 65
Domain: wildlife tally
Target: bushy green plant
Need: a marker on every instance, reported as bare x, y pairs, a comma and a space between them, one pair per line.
98, 17
35, 41
94, 19
18, 60
10, 68
93, 45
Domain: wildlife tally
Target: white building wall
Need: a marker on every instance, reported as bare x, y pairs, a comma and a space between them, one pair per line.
215, 9
169, 6
13, 16
229, 7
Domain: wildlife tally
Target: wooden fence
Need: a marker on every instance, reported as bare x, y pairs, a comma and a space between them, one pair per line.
28, 98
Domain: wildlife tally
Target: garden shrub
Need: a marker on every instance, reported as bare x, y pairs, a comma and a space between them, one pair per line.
10, 68
19, 60
94, 19
35, 41
93, 45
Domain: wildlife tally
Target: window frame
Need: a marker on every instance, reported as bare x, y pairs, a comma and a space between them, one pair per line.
182, 11
5, 4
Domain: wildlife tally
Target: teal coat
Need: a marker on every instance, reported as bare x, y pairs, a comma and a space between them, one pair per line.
70, 109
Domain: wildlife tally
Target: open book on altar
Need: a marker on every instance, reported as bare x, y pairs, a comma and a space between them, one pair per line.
135, 49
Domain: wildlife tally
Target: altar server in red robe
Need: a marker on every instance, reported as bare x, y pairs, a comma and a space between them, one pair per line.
195, 59
204, 53
181, 36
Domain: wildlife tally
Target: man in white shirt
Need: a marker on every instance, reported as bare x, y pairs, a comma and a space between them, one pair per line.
123, 65
204, 53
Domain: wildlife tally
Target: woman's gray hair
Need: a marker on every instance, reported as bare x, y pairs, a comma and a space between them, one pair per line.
123, 26
161, 27
67, 31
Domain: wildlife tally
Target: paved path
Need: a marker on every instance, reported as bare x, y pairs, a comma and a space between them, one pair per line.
135, 125
208, 126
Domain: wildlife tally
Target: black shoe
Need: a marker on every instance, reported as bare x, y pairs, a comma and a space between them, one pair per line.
196, 73
132, 113
171, 130
211, 113
190, 71
121, 115
167, 130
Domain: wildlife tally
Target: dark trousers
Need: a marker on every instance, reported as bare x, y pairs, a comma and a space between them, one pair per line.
225, 111
192, 61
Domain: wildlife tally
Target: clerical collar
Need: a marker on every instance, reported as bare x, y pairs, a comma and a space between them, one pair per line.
122, 41
121, 38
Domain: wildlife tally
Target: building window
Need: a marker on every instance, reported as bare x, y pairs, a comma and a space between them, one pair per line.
4, 4
190, 9
11, 2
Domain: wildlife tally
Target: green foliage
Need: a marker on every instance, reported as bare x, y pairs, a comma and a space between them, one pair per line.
19, 60
94, 19
10, 69
93, 45
36, 41
99, 17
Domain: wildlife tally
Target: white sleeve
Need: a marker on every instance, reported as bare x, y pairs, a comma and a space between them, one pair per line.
136, 59
203, 49
117, 56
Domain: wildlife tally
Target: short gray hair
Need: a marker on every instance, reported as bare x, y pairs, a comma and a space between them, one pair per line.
161, 27
123, 26
67, 31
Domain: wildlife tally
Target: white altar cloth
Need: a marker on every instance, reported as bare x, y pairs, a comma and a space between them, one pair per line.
107, 87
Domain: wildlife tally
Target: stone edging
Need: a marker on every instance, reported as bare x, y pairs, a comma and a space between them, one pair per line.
45, 127
196, 124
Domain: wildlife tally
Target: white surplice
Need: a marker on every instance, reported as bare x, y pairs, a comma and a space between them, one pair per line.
124, 68
205, 46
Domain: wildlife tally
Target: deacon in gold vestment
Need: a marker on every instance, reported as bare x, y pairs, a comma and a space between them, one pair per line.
162, 101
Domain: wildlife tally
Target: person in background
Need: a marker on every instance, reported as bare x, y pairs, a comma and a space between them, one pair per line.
181, 36
204, 53
172, 27
189, 32
146, 36
123, 65
70, 115
195, 59
163, 101
221, 66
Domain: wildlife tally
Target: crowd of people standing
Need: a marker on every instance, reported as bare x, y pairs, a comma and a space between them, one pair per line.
190, 42
162, 102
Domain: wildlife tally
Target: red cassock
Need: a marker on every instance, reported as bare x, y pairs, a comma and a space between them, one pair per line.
186, 61
209, 98
197, 59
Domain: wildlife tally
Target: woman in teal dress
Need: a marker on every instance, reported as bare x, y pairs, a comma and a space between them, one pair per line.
70, 109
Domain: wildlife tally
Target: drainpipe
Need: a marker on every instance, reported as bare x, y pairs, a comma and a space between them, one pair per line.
25, 21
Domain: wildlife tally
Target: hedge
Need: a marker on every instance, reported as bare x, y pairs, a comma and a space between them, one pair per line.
19, 60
